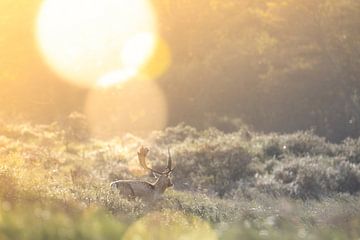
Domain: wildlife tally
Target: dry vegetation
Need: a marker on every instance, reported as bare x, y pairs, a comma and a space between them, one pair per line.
54, 184
277, 65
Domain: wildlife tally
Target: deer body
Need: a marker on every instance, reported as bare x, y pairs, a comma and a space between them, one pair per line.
144, 189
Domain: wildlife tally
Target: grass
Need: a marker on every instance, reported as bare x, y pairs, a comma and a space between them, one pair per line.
54, 184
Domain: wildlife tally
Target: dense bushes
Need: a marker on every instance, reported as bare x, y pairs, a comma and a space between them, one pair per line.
351, 149
311, 177
219, 178
300, 165
298, 144
213, 167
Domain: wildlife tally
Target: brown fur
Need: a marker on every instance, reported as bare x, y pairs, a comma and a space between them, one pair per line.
143, 189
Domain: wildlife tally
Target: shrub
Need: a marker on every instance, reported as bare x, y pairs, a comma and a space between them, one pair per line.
212, 166
8, 186
306, 143
347, 177
351, 150
76, 128
299, 144
272, 148
174, 135
316, 177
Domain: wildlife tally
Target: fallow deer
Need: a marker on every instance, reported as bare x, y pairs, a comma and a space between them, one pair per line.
144, 189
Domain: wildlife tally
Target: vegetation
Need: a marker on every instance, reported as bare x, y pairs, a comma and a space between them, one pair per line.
279, 65
235, 185
263, 97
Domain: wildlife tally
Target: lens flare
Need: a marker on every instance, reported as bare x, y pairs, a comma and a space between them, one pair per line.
116, 77
138, 48
84, 41
137, 106
159, 61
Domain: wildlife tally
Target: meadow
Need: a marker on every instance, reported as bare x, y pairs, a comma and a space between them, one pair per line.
258, 102
54, 184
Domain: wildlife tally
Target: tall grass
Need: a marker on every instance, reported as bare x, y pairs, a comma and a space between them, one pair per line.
54, 184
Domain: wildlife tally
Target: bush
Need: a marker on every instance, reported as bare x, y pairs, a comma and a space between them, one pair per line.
211, 167
316, 177
307, 143
219, 179
351, 150
347, 177
174, 135
299, 144
76, 128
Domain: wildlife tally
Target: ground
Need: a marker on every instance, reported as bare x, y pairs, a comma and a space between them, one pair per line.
54, 184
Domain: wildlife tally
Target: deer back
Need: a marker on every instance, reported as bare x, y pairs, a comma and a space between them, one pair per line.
134, 188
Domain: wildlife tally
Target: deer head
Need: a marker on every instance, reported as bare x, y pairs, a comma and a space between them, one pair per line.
163, 177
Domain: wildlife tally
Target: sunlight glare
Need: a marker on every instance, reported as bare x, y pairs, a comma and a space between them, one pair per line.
116, 76
135, 53
159, 62
138, 48
137, 106
84, 41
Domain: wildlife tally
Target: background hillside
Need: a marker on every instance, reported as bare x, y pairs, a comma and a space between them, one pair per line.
277, 65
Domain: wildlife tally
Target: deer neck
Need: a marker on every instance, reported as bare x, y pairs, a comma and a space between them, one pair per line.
159, 186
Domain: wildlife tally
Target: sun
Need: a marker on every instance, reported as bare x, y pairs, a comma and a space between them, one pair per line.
135, 51
96, 42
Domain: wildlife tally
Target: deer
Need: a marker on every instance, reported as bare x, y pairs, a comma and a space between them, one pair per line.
142, 189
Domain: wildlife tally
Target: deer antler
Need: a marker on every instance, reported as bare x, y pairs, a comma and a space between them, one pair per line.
169, 163
142, 155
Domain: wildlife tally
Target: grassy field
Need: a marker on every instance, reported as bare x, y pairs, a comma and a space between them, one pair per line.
54, 184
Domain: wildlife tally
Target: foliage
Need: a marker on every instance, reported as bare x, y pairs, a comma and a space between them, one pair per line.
227, 184
275, 64
34, 221
76, 128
